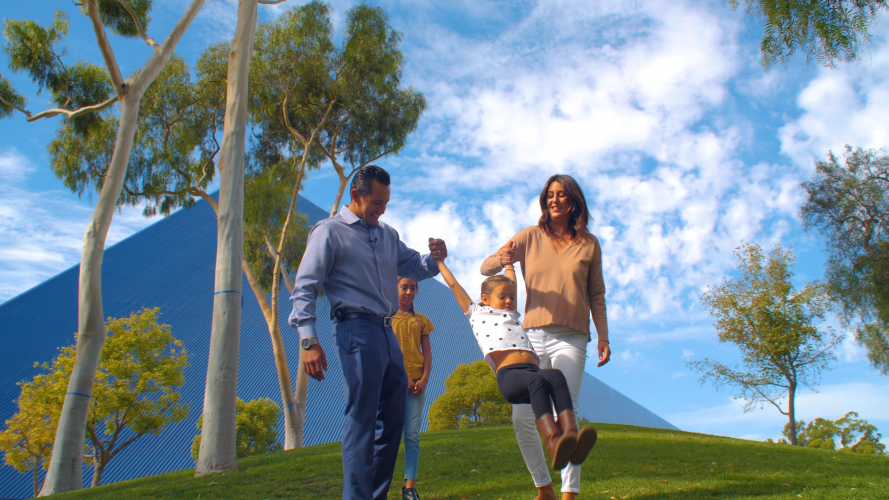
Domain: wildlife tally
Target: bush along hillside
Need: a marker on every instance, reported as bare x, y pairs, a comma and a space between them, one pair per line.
485, 463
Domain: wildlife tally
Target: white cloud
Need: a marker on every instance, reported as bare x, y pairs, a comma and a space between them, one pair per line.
869, 399
686, 354
43, 230
847, 105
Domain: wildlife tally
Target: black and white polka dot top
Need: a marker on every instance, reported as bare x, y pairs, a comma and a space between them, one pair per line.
497, 330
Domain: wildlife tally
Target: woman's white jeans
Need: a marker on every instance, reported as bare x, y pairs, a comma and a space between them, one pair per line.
564, 349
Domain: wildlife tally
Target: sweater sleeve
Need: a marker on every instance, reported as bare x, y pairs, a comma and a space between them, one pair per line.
492, 266
596, 290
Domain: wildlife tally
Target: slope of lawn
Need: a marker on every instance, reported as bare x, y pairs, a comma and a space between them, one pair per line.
628, 462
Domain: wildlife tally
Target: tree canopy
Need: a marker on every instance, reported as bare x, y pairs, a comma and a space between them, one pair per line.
774, 326
848, 205
256, 429
471, 399
827, 31
849, 432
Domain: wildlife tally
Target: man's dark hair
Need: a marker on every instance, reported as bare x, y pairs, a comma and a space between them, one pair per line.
365, 176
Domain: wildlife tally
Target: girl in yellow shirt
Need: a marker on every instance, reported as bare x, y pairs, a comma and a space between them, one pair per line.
412, 330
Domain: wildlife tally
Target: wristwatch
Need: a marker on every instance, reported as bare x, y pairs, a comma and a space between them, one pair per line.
308, 342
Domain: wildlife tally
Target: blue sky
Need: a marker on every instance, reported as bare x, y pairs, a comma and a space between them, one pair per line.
683, 144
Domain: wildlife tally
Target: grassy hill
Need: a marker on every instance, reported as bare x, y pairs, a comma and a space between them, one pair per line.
628, 462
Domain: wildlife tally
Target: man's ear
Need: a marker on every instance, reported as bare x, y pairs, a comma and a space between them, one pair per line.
354, 194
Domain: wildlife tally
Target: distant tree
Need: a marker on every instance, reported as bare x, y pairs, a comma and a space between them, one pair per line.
848, 205
774, 327
81, 92
855, 435
27, 440
828, 31
136, 393
471, 399
256, 428
137, 385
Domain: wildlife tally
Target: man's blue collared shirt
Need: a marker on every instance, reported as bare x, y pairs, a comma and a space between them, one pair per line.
357, 266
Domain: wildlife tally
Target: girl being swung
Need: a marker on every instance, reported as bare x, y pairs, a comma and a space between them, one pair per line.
412, 330
506, 348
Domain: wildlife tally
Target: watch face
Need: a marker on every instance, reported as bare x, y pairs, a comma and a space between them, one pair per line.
305, 343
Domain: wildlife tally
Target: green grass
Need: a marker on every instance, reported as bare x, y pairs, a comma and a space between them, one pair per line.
628, 462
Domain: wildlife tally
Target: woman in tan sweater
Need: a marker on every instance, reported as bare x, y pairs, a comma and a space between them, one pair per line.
561, 264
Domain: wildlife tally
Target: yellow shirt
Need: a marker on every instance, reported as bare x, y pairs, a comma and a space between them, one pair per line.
409, 330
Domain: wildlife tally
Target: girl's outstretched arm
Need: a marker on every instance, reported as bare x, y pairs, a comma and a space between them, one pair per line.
509, 272
459, 293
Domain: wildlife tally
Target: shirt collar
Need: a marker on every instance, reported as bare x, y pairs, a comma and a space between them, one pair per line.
348, 216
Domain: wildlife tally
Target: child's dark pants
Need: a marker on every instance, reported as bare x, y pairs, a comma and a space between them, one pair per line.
524, 383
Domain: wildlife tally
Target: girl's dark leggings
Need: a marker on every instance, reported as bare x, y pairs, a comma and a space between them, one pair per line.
524, 383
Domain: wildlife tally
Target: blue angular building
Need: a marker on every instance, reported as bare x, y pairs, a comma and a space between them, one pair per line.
170, 265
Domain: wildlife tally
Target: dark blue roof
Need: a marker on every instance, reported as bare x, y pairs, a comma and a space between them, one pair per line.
170, 265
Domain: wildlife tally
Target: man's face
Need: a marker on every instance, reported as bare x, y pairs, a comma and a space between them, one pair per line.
372, 206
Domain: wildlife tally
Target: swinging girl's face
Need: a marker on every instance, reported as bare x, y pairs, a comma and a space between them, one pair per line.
503, 297
407, 291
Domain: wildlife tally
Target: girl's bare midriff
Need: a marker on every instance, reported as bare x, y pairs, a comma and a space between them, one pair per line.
513, 357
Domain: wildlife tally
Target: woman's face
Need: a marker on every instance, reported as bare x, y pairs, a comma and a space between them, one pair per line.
407, 291
557, 202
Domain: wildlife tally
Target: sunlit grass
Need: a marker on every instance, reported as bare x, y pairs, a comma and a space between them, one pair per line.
628, 462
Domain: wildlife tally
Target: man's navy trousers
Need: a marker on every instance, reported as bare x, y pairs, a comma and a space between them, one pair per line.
375, 383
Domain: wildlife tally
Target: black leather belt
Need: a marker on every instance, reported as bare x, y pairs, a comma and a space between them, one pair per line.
339, 316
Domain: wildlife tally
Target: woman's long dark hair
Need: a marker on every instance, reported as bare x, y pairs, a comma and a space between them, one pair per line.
579, 217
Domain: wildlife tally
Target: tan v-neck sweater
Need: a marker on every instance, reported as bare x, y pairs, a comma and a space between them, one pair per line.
563, 288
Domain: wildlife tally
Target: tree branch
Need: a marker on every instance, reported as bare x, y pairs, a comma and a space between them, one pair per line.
150, 41
49, 113
92, 10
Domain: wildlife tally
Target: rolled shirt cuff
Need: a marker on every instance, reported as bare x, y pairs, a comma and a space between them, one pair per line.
307, 331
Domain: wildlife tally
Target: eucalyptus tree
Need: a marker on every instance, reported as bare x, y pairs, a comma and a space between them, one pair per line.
847, 203
291, 73
218, 451
367, 114
79, 91
827, 31
774, 326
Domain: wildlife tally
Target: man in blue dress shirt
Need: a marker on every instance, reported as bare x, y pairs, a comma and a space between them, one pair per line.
356, 260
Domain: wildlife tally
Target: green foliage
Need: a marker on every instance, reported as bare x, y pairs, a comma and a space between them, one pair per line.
847, 204
173, 151
827, 31
264, 215
255, 428
774, 327
471, 399
115, 17
376, 115
136, 393
9, 98
28, 438
33, 49
37, 51
855, 435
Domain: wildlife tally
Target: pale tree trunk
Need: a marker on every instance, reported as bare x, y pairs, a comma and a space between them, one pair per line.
292, 427
217, 452
65, 471
791, 412
293, 418
339, 194
98, 468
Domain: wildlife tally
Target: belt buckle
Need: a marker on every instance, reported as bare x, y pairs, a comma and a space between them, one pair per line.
387, 321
